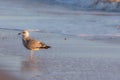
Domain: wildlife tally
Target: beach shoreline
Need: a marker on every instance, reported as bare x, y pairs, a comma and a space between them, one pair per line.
69, 58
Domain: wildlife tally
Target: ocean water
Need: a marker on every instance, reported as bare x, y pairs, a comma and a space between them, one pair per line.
51, 17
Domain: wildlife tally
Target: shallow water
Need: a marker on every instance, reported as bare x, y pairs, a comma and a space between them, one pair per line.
77, 25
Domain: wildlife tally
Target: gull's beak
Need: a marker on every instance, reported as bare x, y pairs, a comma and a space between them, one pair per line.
19, 33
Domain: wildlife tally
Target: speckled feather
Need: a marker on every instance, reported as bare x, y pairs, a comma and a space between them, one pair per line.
33, 44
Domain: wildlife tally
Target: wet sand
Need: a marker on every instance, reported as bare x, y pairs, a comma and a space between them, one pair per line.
70, 58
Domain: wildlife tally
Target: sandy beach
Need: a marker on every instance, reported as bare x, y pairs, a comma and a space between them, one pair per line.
70, 58
84, 36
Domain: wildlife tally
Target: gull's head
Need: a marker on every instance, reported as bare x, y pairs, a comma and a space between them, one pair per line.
24, 33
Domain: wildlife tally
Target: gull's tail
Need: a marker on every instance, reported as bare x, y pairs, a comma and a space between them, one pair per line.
45, 47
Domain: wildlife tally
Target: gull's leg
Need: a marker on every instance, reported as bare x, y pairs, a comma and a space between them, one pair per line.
31, 55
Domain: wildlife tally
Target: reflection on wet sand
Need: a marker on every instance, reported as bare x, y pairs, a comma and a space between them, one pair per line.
30, 67
17, 67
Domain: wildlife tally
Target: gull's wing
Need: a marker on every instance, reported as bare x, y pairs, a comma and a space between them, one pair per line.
33, 43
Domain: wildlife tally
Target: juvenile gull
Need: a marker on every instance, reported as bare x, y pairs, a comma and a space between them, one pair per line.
32, 44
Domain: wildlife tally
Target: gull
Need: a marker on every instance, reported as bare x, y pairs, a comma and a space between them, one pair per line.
32, 44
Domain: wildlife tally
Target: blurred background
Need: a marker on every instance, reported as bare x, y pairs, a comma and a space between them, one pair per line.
23, 7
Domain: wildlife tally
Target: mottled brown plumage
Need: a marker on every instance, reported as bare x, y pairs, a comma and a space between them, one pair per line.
33, 44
